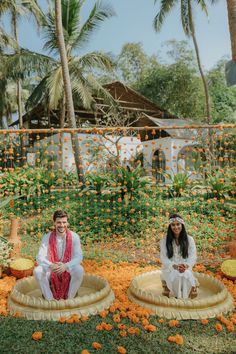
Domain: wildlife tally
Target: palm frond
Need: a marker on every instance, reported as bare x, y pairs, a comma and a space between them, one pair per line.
71, 15
94, 60
33, 9
49, 30
25, 62
98, 14
185, 17
39, 94
6, 6
81, 87
165, 7
202, 4
6, 40
55, 87
99, 90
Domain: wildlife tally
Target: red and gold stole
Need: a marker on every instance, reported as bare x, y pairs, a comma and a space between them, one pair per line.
60, 283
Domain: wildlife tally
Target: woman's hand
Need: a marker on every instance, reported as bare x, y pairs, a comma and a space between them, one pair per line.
182, 268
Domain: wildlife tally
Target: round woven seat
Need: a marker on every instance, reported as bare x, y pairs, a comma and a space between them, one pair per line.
212, 300
93, 296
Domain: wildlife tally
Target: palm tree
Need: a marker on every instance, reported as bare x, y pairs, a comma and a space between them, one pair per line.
76, 35
54, 89
18, 8
231, 65
186, 10
67, 85
20, 65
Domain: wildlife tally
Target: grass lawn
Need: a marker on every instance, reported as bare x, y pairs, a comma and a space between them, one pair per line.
119, 257
130, 328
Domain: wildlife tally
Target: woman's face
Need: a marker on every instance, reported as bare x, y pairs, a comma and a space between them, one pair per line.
176, 227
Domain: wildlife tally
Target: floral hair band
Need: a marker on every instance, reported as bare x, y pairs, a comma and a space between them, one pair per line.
181, 221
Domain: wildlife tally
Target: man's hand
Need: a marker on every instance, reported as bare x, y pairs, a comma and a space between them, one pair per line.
58, 268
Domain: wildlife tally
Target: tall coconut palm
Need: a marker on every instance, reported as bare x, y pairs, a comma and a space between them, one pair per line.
67, 85
231, 65
5, 42
76, 36
186, 10
17, 9
83, 83
21, 65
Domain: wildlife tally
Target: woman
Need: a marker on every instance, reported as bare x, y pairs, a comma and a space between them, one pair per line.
178, 255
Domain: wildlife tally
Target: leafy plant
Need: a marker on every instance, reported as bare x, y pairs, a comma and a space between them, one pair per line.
131, 183
5, 249
97, 182
179, 183
28, 182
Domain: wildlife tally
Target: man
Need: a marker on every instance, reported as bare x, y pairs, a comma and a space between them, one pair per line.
59, 272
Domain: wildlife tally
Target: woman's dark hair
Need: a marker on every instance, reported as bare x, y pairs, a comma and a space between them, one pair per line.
183, 240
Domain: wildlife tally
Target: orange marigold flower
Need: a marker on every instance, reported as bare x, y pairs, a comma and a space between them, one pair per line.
84, 318
145, 322
230, 327
135, 319
121, 350
121, 326
103, 313
85, 351
123, 314
112, 308
37, 335
62, 320
178, 339
218, 327
17, 314
70, 320
96, 345
99, 327
233, 320
161, 320
116, 318
150, 328
123, 333
204, 321
173, 323
132, 330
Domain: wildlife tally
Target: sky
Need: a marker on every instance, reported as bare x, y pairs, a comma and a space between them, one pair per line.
133, 23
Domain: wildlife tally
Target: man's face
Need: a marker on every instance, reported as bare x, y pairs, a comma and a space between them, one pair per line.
61, 225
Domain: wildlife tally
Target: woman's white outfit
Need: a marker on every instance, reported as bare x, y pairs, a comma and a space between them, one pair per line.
179, 284
42, 272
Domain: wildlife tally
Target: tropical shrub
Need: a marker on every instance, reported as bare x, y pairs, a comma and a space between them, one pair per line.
221, 184
28, 182
131, 182
179, 183
5, 249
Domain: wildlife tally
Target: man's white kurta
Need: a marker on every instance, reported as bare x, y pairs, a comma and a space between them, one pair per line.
42, 272
178, 283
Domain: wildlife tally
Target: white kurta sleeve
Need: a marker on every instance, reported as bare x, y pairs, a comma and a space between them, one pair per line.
77, 254
166, 262
192, 253
42, 257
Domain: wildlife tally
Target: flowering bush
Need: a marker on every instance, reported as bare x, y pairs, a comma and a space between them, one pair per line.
5, 249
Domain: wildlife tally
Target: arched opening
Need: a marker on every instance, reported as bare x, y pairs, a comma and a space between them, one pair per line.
158, 165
